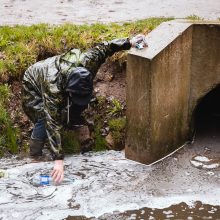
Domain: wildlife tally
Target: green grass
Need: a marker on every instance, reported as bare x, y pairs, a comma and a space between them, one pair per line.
21, 46
117, 128
115, 108
71, 143
100, 142
8, 134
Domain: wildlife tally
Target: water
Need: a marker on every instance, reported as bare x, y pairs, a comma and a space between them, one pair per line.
84, 11
108, 186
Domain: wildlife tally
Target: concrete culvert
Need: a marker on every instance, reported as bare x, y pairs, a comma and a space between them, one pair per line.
165, 83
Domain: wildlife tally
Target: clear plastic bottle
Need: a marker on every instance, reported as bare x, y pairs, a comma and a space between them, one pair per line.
47, 180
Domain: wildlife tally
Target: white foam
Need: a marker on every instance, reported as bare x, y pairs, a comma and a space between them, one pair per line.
202, 158
106, 182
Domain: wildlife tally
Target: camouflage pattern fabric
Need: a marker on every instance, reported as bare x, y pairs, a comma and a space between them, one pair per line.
44, 95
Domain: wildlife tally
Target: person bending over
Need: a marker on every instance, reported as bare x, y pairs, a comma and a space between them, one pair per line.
57, 90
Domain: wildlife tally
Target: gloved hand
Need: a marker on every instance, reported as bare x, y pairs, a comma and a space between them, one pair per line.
138, 39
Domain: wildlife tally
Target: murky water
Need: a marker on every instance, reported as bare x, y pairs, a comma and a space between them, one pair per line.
108, 186
91, 11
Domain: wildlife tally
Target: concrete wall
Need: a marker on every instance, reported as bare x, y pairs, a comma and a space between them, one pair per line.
205, 69
164, 83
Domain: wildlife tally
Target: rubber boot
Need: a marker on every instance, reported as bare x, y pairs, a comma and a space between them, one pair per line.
36, 148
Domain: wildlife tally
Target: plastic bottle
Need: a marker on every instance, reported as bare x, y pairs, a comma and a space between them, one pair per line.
46, 180
139, 46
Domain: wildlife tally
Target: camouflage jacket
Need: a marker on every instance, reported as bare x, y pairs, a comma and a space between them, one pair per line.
44, 84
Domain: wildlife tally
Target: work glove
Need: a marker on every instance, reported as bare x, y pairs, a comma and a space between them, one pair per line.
138, 41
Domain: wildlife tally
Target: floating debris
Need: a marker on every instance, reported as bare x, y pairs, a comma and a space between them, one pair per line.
203, 162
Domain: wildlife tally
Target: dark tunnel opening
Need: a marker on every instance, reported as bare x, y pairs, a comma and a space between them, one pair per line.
207, 114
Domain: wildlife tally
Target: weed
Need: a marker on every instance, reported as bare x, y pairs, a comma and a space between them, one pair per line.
100, 142
194, 17
8, 134
71, 143
117, 128
116, 107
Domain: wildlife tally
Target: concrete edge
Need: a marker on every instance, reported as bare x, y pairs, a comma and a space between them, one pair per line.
164, 35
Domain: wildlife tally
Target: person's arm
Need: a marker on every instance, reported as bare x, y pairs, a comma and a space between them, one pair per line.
52, 98
96, 56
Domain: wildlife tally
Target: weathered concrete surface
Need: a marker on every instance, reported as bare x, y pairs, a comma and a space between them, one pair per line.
91, 11
179, 67
205, 72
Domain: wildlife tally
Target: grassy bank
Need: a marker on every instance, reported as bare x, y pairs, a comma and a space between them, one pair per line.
21, 46
8, 134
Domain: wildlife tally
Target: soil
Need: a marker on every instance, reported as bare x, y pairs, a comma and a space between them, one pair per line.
110, 81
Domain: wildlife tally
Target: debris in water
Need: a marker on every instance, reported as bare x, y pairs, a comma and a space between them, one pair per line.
203, 162
201, 158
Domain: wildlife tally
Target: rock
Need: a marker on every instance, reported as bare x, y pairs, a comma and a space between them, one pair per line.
110, 141
83, 134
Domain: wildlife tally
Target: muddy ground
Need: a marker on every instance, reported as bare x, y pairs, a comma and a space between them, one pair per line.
91, 11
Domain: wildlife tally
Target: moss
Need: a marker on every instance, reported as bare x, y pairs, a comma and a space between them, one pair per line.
100, 142
71, 144
117, 128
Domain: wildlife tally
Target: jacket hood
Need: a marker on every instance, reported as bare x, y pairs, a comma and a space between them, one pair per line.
80, 85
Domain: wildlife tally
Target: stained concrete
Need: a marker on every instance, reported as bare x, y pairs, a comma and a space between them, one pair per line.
164, 85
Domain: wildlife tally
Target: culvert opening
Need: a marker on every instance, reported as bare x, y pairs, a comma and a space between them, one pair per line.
207, 114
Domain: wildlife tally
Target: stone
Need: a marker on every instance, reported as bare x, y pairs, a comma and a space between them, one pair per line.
110, 141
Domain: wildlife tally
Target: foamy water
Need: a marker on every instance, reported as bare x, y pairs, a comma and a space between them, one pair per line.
104, 183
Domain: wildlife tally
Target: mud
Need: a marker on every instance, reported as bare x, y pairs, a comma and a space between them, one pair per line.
92, 11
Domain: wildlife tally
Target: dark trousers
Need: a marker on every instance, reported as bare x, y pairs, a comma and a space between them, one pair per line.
39, 131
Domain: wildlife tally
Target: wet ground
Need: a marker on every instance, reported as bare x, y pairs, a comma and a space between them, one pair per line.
91, 11
108, 186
